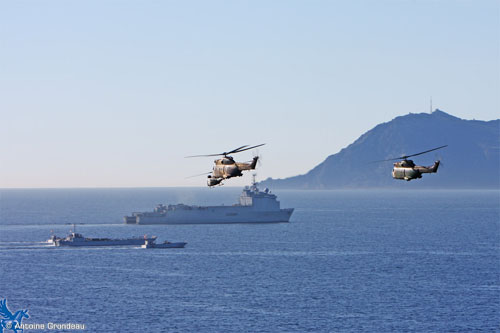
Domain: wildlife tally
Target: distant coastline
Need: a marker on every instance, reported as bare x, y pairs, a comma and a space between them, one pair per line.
471, 160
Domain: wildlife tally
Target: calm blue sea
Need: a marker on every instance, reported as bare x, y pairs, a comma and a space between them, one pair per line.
348, 261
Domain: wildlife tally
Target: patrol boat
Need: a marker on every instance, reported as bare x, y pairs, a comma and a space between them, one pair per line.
164, 245
254, 206
76, 239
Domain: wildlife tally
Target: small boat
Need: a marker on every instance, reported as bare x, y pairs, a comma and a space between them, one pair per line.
52, 240
165, 245
76, 239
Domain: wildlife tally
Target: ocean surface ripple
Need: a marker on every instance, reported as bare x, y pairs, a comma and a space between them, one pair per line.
348, 261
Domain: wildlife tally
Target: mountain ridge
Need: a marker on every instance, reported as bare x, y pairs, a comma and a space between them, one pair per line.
471, 160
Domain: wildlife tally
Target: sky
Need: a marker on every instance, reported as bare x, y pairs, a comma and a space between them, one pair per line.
108, 93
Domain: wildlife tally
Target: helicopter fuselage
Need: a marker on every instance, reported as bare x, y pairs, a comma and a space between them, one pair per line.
407, 170
226, 168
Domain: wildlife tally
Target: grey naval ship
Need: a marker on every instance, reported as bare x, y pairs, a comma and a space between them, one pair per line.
76, 239
254, 206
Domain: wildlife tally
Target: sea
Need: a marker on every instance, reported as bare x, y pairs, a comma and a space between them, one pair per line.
348, 261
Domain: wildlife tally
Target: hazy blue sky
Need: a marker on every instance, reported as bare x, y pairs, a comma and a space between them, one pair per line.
116, 93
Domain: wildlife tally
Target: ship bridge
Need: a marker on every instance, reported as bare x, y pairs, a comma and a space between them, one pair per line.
260, 200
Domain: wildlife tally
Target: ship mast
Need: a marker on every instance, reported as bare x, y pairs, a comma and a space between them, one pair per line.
254, 183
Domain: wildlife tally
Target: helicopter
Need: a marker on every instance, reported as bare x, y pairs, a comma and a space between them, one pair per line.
226, 167
407, 170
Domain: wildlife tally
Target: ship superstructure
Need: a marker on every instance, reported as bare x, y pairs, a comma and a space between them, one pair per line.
254, 206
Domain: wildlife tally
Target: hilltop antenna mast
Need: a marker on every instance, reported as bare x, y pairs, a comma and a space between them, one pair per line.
431, 105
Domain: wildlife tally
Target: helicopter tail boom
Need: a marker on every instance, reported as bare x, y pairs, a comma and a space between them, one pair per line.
254, 162
430, 169
248, 165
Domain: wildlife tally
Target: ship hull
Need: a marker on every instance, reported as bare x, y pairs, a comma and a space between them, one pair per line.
179, 245
110, 242
216, 215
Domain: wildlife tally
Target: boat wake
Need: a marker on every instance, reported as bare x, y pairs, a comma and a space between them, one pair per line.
24, 245
7, 243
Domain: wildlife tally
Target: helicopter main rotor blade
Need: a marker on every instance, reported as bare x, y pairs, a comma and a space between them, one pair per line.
426, 151
240, 150
390, 159
203, 155
201, 174
221, 154
404, 157
234, 150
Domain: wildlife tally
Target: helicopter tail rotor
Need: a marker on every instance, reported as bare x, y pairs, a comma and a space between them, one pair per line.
254, 162
259, 157
435, 167
439, 158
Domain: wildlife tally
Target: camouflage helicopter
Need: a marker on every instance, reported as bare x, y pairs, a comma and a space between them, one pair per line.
407, 170
226, 167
